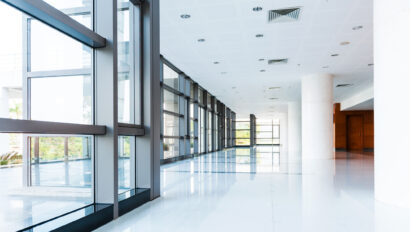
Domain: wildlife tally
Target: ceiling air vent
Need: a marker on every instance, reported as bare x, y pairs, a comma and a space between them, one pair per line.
343, 85
284, 15
278, 61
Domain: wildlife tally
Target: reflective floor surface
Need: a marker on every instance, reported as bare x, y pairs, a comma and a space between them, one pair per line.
259, 190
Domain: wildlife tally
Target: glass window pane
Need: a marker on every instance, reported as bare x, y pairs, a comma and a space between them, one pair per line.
57, 187
242, 134
124, 98
264, 135
11, 60
201, 130
200, 96
53, 50
123, 28
61, 176
191, 110
264, 141
243, 125
276, 131
171, 78
263, 127
171, 101
242, 142
171, 125
124, 164
192, 90
209, 131
209, 101
171, 148
75, 8
62, 99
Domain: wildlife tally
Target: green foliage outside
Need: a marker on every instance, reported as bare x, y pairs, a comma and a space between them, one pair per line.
125, 142
243, 134
11, 158
52, 148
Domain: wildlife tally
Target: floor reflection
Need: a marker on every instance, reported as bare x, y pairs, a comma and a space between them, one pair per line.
259, 189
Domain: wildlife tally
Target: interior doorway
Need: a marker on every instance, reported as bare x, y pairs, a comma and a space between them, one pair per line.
354, 132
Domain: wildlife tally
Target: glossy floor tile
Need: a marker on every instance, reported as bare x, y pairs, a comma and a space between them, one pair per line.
250, 190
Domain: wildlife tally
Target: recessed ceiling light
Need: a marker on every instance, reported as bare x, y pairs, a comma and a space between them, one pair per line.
325, 66
261, 59
201, 40
216, 62
259, 35
334, 55
345, 43
273, 98
185, 16
357, 28
262, 70
258, 8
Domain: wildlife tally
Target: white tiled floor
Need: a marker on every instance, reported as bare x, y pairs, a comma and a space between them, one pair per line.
244, 190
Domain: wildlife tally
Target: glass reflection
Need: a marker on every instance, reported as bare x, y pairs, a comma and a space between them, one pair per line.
124, 163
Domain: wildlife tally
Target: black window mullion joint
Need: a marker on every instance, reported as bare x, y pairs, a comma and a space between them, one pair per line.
137, 2
170, 89
173, 113
130, 129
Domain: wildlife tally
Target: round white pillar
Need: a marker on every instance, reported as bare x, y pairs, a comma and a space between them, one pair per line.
294, 128
317, 117
391, 95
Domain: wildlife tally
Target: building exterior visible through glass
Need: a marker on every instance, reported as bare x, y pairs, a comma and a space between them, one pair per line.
44, 75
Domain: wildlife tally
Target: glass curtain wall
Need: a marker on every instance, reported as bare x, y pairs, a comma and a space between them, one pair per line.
44, 75
191, 102
189, 118
215, 127
128, 77
170, 113
267, 132
48, 76
242, 133
201, 134
209, 131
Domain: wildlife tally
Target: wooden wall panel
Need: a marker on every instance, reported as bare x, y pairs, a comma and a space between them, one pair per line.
340, 127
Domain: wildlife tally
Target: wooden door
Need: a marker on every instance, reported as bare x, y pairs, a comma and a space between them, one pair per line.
355, 132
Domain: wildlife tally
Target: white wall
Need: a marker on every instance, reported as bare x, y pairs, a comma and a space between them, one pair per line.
392, 97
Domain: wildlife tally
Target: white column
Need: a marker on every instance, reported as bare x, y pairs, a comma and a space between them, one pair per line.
317, 117
391, 94
294, 128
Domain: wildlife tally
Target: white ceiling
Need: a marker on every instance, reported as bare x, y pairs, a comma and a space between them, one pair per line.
229, 28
